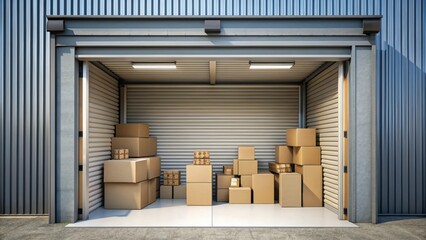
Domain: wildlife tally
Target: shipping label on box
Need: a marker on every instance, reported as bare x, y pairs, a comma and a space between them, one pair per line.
235, 182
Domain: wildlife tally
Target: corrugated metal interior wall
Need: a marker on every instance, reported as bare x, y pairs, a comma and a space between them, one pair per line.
24, 87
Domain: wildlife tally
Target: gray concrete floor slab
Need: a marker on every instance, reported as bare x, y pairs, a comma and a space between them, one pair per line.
39, 228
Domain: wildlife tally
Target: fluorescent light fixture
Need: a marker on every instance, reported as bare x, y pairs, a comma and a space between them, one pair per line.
154, 65
271, 65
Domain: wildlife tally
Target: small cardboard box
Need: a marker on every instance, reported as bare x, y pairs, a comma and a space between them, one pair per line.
301, 137
228, 169
126, 196
201, 154
223, 181
138, 147
235, 167
283, 154
247, 167
166, 192
307, 155
152, 190
290, 190
179, 192
263, 188
222, 195
246, 181
138, 130
128, 170
312, 185
240, 195
246, 153
235, 182
199, 173
199, 194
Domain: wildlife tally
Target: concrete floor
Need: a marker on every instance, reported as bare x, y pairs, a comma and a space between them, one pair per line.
38, 228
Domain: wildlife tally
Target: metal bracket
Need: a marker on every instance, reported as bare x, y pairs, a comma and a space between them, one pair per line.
345, 134
55, 25
370, 26
345, 169
80, 133
80, 168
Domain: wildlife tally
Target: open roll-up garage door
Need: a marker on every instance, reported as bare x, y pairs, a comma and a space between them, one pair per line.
215, 118
322, 113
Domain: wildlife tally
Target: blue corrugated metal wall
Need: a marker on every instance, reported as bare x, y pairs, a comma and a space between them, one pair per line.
401, 88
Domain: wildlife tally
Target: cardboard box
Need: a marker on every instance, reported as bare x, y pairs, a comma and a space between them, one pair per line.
245, 181
179, 192
138, 130
240, 195
301, 137
263, 188
280, 167
307, 155
235, 182
201, 154
199, 194
246, 153
312, 185
138, 147
126, 196
154, 166
283, 154
166, 192
228, 169
198, 173
126, 171
223, 181
290, 190
222, 195
247, 167
152, 190
235, 167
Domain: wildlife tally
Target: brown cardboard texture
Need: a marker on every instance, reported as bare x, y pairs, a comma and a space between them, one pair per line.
307, 155
247, 167
301, 137
240, 195
179, 192
312, 185
126, 196
222, 195
246, 153
138, 147
235, 167
166, 192
223, 181
152, 190
128, 170
245, 181
263, 188
228, 169
132, 130
290, 190
283, 154
199, 194
154, 167
198, 173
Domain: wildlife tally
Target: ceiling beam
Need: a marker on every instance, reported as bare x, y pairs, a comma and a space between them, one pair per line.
212, 65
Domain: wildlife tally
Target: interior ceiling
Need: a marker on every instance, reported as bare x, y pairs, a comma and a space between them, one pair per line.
228, 71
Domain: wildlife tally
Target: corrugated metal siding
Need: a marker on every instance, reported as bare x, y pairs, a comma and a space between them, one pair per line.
214, 118
103, 116
322, 113
23, 63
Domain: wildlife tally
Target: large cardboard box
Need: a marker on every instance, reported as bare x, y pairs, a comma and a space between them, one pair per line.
263, 188
179, 192
139, 130
199, 194
199, 173
240, 195
126, 170
126, 196
283, 154
247, 167
223, 181
152, 190
246, 153
138, 147
222, 195
166, 192
307, 155
290, 190
312, 185
301, 137
245, 181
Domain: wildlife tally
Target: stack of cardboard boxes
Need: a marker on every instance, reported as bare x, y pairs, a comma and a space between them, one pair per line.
132, 183
171, 188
